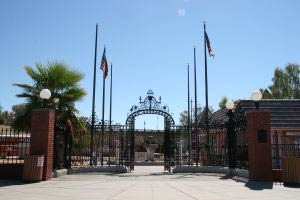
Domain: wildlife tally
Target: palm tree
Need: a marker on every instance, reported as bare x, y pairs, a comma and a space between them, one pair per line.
65, 91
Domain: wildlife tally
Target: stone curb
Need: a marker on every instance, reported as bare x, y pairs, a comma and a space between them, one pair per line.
143, 163
212, 169
108, 169
59, 172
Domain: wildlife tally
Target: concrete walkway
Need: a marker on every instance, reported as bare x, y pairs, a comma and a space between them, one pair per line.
146, 183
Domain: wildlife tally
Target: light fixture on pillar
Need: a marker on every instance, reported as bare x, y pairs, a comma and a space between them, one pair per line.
256, 96
229, 105
45, 94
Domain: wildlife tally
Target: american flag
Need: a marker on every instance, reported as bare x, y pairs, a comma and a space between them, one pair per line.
103, 65
210, 51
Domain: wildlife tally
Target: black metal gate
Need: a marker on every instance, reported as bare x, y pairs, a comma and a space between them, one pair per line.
150, 105
224, 145
61, 147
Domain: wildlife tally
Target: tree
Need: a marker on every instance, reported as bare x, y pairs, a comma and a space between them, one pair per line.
293, 73
200, 115
1, 117
6, 117
84, 119
183, 119
65, 91
19, 117
223, 102
266, 94
286, 83
19, 108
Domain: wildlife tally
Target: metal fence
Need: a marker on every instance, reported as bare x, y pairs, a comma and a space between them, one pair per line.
14, 146
284, 148
217, 148
75, 149
113, 146
216, 151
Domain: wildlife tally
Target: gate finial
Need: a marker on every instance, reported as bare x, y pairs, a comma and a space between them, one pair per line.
150, 92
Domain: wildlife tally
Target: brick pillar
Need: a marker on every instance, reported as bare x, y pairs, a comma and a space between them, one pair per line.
42, 137
259, 146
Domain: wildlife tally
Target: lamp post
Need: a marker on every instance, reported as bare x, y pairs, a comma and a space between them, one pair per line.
256, 96
45, 94
231, 136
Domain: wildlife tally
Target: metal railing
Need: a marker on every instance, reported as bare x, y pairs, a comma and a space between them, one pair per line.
280, 151
14, 146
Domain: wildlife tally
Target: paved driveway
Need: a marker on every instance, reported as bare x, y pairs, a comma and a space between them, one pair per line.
146, 183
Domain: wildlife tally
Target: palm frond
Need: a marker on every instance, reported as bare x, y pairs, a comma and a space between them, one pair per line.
32, 73
26, 87
64, 86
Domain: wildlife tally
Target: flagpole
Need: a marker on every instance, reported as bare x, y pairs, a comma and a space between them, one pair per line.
110, 109
188, 122
196, 120
191, 122
93, 101
102, 127
206, 94
191, 113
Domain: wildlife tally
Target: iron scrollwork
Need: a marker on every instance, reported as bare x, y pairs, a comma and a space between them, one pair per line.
150, 105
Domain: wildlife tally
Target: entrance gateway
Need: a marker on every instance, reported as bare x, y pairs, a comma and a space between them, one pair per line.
122, 146
151, 105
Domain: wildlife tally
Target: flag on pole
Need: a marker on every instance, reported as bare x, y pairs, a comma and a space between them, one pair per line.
103, 65
210, 51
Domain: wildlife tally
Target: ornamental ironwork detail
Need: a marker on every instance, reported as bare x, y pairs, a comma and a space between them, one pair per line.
150, 105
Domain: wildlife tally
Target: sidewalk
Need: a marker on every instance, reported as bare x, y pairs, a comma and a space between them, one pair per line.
146, 183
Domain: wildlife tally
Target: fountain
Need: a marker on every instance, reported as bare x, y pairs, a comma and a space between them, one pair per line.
150, 147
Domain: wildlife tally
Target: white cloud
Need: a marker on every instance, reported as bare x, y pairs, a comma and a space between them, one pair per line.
181, 12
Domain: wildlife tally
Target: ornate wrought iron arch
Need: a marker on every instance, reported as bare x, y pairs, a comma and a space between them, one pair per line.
150, 105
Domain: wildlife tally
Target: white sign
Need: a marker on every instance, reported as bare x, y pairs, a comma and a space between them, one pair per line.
293, 133
40, 161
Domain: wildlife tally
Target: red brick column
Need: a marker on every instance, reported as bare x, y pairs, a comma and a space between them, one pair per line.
42, 137
259, 146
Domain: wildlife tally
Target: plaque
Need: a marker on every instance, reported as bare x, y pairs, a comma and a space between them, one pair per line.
262, 136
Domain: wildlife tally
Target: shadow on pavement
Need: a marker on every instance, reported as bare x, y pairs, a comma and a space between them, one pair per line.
4, 183
184, 176
252, 185
291, 185
141, 175
227, 176
235, 178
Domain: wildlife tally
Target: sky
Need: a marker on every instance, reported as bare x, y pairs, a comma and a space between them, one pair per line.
150, 43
